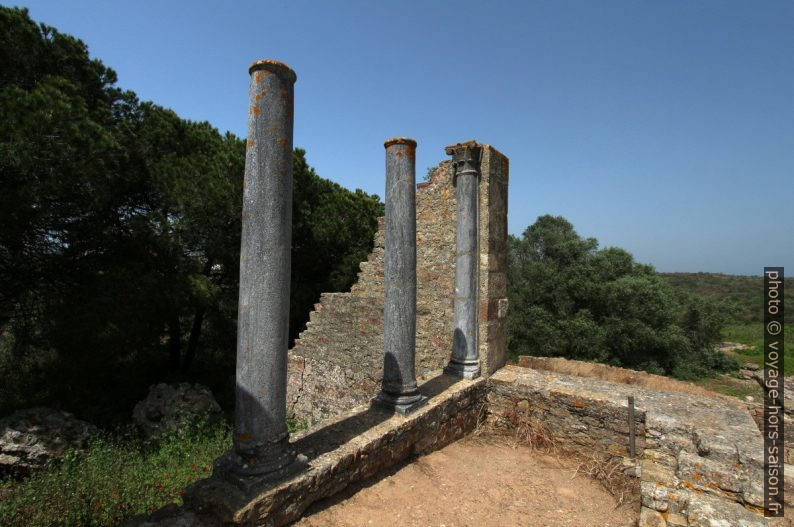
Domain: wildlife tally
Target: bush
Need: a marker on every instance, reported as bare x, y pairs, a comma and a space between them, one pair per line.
570, 299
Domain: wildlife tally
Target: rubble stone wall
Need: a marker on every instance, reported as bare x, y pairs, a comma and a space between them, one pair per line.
699, 459
337, 361
573, 421
343, 450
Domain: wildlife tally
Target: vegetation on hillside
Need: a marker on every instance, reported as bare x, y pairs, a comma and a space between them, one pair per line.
570, 299
120, 239
747, 292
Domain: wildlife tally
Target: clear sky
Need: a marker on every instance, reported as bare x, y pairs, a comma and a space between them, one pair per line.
665, 128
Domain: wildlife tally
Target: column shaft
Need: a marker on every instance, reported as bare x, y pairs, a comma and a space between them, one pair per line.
399, 371
261, 444
465, 360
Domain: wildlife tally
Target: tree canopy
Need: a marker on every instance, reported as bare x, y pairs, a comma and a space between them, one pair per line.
570, 299
120, 240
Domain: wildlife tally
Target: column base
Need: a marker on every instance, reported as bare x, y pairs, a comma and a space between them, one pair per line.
402, 404
462, 370
248, 473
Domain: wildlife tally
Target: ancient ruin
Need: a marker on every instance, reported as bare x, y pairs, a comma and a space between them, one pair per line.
261, 446
439, 296
399, 391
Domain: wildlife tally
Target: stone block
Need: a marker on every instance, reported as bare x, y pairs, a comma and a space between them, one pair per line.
651, 518
676, 520
654, 495
655, 473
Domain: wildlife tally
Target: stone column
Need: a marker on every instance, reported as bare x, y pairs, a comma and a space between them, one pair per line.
399, 391
261, 440
465, 355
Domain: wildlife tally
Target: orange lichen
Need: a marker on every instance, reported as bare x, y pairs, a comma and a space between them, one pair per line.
399, 154
273, 66
283, 94
399, 141
245, 437
250, 142
259, 77
579, 404
256, 110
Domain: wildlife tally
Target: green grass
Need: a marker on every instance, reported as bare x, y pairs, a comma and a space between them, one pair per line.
752, 334
733, 387
115, 479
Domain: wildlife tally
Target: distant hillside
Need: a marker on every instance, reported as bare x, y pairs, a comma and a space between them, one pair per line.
746, 291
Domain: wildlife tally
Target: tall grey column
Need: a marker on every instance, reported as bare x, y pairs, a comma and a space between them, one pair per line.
465, 354
399, 391
261, 440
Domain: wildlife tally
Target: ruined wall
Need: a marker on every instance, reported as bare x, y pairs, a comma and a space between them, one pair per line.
342, 451
573, 420
337, 361
699, 459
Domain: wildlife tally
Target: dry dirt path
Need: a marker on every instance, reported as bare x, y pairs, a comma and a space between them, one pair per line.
478, 484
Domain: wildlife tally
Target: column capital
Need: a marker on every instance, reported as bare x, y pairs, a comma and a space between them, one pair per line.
466, 157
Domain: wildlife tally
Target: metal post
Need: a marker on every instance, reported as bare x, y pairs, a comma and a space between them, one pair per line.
400, 392
632, 451
465, 354
261, 440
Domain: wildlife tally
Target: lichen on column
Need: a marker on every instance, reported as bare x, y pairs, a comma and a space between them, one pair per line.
261, 440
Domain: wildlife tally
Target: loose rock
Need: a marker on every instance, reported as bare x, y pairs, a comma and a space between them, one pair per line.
31, 438
169, 406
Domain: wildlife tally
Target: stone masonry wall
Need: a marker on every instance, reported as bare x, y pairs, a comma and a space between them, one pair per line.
574, 420
700, 459
342, 450
337, 360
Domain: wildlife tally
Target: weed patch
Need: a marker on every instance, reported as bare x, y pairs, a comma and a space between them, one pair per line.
118, 477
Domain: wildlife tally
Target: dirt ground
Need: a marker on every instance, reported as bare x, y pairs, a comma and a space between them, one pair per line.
476, 483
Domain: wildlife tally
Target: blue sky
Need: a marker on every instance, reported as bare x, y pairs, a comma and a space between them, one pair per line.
665, 128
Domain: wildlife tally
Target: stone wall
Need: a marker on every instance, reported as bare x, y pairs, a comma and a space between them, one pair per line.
336, 363
573, 420
700, 459
348, 448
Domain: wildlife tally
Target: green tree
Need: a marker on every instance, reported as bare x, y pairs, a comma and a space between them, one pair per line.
119, 252
570, 299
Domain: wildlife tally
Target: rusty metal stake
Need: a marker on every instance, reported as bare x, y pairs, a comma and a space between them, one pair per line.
632, 448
